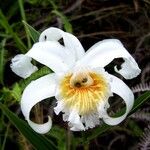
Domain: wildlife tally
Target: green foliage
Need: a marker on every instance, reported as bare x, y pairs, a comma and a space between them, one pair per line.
38, 141
32, 32
2, 61
16, 92
67, 25
12, 95
60, 135
140, 101
4, 23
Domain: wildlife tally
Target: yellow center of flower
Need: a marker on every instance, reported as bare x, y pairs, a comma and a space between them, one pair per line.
83, 91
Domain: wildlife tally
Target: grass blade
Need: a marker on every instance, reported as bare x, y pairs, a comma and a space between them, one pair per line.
31, 31
140, 101
4, 23
2, 61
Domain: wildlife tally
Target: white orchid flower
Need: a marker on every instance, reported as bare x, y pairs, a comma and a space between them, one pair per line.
80, 83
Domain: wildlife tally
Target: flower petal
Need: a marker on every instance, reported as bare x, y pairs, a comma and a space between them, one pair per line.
102, 53
72, 44
75, 121
35, 92
59, 107
51, 54
21, 65
120, 88
90, 120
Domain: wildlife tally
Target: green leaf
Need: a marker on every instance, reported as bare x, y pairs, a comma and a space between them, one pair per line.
2, 62
4, 23
61, 135
16, 92
32, 32
87, 136
40, 142
140, 101
5, 35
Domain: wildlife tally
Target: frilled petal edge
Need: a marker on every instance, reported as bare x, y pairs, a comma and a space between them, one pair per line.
35, 92
120, 88
22, 66
103, 52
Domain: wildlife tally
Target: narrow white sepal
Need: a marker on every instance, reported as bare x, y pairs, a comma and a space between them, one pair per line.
35, 92
22, 66
120, 88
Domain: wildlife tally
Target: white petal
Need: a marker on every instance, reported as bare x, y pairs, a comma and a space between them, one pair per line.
51, 54
21, 65
102, 53
41, 128
59, 107
126, 72
75, 128
120, 88
90, 120
75, 121
70, 41
35, 92
65, 116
